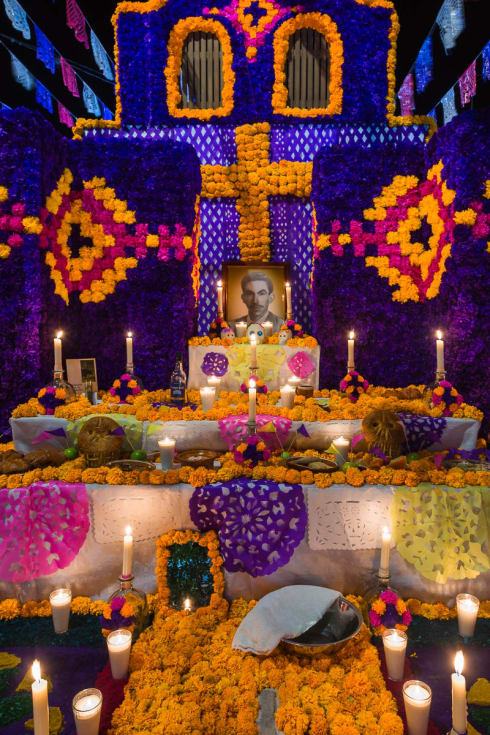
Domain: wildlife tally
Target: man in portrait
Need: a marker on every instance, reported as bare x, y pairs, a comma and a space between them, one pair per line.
257, 295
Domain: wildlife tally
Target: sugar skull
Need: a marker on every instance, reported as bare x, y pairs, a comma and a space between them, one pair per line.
384, 429
258, 331
284, 335
227, 333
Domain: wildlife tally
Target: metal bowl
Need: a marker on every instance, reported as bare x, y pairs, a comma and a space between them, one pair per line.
314, 640
129, 465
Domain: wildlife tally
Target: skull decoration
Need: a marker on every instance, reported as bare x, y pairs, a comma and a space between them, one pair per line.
97, 441
258, 330
227, 333
384, 429
284, 335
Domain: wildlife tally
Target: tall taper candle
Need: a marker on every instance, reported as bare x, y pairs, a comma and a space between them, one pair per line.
40, 701
458, 686
58, 360
289, 306
220, 298
127, 553
253, 351
129, 349
252, 400
440, 351
384, 563
350, 351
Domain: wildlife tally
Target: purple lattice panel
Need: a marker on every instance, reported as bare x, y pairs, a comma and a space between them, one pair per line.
218, 243
302, 142
291, 242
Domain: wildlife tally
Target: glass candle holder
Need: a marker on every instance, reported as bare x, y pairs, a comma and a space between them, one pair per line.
287, 395
60, 601
119, 646
167, 450
208, 395
467, 607
240, 329
395, 646
417, 696
214, 381
87, 706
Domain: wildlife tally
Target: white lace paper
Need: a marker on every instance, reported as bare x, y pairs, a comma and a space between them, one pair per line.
348, 518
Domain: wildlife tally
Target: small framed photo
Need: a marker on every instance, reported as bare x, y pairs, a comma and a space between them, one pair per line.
255, 293
82, 371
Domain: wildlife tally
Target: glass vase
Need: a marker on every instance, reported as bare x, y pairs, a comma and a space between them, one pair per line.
138, 602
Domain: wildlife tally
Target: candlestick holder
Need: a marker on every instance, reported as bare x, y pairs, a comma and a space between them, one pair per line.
136, 600
251, 427
59, 382
350, 367
130, 371
253, 370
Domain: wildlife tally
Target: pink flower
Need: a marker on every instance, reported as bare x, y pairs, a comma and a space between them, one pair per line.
19, 209
237, 456
389, 597
117, 603
126, 376
406, 617
374, 619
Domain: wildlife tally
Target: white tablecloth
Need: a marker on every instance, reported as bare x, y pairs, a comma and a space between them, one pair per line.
338, 551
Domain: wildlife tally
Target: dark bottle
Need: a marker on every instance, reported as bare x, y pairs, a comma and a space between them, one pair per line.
178, 382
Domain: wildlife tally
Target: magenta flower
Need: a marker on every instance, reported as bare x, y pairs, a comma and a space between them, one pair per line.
389, 597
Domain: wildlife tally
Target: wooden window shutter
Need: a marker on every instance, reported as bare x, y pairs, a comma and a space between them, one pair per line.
201, 74
307, 70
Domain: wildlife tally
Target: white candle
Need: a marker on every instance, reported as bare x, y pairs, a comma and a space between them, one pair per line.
129, 349
214, 381
207, 397
287, 395
267, 328
87, 706
127, 553
440, 351
188, 604
119, 645
40, 701
167, 451
60, 601
458, 685
395, 645
350, 351
341, 447
289, 307
240, 329
58, 360
220, 298
294, 381
467, 606
253, 351
252, 398
384, 562
417, 697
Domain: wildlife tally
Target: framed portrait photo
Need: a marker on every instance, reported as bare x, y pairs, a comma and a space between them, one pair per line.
82, 371
255, 293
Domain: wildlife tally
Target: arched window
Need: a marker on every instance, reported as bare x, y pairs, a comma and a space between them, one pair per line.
201, 72
307, 70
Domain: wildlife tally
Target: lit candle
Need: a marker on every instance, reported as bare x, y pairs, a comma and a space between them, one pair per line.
384, 562
40, 701
240, 329
287, 395
294, 381
289, 307
188, 604
252, 398
440, 351
214, 381
119, 645
220, 298
129, 349
417, 697
467, 606
87, 706
253, 351
395, 645
458, 684
58, 361
167, 451
341, 447
267, 328
127, 553
350, 351
60, 601
207, 397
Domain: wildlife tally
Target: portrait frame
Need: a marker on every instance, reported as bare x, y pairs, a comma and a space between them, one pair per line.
81, 370
232, 273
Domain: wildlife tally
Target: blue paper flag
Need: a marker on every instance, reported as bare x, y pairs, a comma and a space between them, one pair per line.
423, 65
45, 50
106, 113
90, 101
100, 56
18, 17
43, 96
21, 74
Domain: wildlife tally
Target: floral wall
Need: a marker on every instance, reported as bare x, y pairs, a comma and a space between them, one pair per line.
401, 249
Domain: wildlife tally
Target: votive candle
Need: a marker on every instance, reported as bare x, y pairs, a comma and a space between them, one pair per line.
127, 552
294, 381
40, 705
87, 706
467, 607
417, 697
458, 688
289, 307
188, 604
287, 395
60, 601
119, 646
214, 381
350, 350
267, 328
167, 451
440, 351
58, 358
220, 298
341, 446
240, 329
395, 645
384, 562
252, 400
207, 397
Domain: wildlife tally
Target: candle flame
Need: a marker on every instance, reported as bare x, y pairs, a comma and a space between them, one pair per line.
59, 335
439, 334
36, 671
128, 531
220, 284
459, 662
187, 604
130, 334
251, 383
386, 532
351, 334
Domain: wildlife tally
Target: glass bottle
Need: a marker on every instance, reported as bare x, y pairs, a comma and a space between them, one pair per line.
178, 382
138, 602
